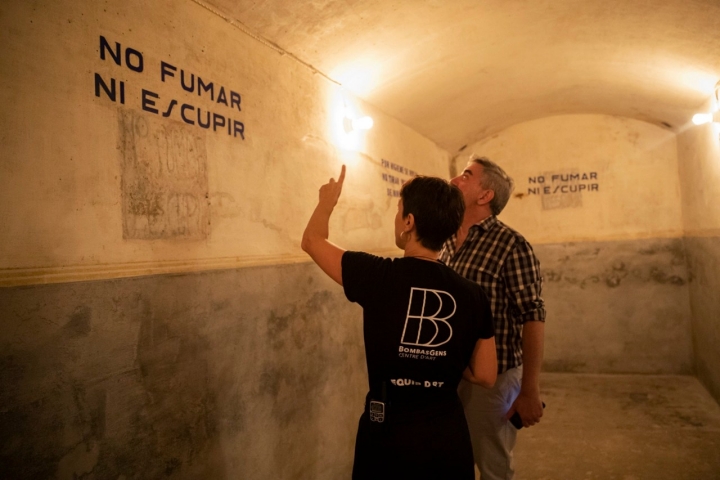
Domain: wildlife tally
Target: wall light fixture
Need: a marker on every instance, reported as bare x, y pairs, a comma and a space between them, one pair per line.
714, 116
362, 123
701, 118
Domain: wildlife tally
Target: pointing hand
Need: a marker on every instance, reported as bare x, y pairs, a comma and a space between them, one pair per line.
330, 192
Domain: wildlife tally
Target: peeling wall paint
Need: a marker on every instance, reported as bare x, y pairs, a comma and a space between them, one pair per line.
164, 180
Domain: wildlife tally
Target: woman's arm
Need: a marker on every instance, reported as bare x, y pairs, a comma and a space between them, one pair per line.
483, 363
315, 242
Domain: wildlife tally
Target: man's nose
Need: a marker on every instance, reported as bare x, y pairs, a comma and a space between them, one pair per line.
454, 181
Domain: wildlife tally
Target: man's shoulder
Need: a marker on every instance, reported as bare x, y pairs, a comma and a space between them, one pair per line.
512, 236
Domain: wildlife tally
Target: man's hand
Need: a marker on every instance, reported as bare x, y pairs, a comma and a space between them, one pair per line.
330, 192
530, 408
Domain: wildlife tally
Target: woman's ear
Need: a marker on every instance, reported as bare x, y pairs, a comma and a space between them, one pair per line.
409, 222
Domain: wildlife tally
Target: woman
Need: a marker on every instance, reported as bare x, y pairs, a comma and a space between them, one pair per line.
424, 326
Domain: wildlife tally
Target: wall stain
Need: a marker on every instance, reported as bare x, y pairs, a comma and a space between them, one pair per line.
295, 370
172, 465
589, 280
80, 323
616, 272
179, 415
663, 278
688, 420
552, 276
220, 306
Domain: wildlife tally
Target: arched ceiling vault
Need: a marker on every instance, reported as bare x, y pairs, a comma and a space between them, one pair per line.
459, 70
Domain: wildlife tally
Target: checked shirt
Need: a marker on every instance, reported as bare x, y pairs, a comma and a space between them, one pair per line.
503, 263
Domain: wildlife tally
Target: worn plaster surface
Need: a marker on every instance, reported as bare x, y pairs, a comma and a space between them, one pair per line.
254, 373
616, 307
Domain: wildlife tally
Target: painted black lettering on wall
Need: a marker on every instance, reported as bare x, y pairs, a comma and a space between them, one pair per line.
563, 189
395, 176
216, 118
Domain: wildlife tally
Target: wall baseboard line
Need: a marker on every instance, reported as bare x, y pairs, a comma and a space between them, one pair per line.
14, 277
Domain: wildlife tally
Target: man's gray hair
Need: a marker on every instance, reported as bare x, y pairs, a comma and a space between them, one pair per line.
495, 179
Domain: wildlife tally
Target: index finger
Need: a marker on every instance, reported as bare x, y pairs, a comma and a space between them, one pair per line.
341, 178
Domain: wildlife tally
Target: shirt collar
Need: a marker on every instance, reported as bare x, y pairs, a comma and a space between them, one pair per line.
487, 223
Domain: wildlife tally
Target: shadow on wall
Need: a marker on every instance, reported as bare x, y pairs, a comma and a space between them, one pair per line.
253, 373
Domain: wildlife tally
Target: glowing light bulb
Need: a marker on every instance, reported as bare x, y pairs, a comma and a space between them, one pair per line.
700, 118
363, 123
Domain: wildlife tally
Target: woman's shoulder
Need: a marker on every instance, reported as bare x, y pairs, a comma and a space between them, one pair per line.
365, 262
461, 283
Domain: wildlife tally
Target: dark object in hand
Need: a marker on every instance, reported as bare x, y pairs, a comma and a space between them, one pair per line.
517, 421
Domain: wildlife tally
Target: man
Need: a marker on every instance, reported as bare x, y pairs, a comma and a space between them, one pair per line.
488, 252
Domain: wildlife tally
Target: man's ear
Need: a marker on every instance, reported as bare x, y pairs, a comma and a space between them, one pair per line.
486, 197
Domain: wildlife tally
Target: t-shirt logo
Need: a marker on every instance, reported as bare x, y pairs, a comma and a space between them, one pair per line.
426, 322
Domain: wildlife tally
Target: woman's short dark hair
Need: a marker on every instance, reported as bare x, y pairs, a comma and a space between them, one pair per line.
438, 208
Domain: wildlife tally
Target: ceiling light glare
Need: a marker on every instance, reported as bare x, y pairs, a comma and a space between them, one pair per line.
363, 123
702, 82
702, 118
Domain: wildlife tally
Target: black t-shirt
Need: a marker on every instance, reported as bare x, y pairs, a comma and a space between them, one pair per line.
421, 322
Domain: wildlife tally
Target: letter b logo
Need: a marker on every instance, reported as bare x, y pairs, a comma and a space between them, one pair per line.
426, 322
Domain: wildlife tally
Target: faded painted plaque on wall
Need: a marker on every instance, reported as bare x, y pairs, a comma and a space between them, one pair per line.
562, 189
164, 179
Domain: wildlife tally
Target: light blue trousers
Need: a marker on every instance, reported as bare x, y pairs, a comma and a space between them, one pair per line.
493, 437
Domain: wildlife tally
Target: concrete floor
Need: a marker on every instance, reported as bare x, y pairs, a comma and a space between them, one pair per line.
624, 427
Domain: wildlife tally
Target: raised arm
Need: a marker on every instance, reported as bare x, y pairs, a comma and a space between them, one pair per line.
483, 363
315, 242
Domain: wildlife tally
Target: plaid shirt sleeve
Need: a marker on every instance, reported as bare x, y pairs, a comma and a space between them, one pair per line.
524, 283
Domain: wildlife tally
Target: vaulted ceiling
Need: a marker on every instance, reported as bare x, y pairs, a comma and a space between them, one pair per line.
459, 70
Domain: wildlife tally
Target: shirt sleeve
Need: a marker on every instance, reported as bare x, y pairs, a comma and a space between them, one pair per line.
524, 284
363, 275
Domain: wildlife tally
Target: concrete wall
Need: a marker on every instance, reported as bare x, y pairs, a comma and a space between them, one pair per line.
255, 372
250, 373
699, 156
599, 199
93, 186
